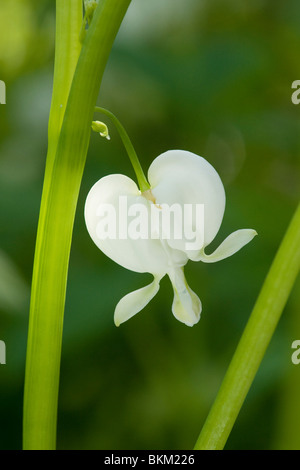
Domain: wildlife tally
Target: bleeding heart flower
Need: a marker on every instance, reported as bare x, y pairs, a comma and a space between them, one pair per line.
178, 179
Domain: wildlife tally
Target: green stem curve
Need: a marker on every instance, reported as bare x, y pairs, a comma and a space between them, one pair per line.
254, 341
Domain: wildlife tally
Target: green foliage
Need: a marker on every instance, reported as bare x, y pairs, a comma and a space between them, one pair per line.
216, 80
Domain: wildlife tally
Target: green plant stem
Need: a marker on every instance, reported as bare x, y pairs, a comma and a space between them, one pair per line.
83, 28
142, 180
62, 182
36, 420
67, 50
254, 341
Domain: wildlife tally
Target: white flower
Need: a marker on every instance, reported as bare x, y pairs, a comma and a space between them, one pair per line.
176, 177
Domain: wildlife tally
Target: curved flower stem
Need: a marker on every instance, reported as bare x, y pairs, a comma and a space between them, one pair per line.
254, 341
68, 146
142, 180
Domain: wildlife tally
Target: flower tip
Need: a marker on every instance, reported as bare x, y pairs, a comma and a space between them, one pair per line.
252, 233
186, 305
117, 318
190, 324
102, 128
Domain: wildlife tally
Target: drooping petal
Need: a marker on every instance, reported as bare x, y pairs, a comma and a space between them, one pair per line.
116, 201
186, 305
134, 302
233, 243
181, 177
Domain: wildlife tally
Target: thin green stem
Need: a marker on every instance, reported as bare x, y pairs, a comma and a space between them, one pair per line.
254, 341
63, 176
142, 180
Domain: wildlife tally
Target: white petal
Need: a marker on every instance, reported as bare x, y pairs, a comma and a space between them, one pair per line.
186, 304
140, 255
134, 302
178, 176
228, 247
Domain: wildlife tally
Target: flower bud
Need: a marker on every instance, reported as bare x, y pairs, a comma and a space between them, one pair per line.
102, 128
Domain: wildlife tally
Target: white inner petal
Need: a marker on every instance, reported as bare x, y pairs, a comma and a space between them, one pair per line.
186, 305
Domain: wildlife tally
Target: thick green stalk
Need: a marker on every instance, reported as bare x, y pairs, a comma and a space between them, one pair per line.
67, 50
254, 341
60, 193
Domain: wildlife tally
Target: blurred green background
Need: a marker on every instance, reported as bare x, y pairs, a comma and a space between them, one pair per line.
212, 77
